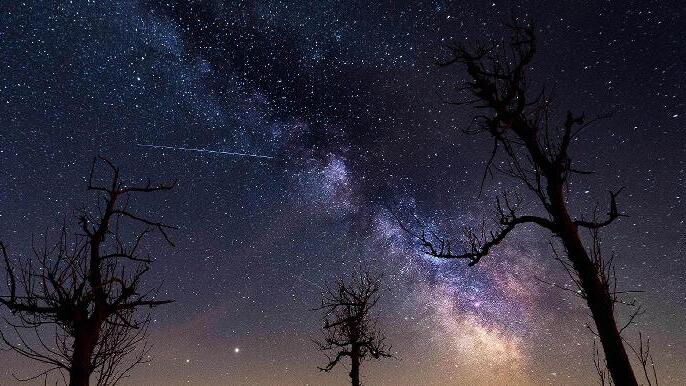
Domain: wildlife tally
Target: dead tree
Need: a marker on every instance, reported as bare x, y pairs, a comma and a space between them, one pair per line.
350, 329
78, 304
535, 144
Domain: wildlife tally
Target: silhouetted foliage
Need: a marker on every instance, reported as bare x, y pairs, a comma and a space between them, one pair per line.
77, 303
350, 328
536, 145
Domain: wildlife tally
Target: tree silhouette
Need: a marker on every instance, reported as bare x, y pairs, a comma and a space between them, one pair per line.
350, 329
77, 303
536, 148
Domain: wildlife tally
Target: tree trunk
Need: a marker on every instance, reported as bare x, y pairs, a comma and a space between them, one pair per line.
355, 366
79, 373
80, 370
78, 376
601, 305
598, 297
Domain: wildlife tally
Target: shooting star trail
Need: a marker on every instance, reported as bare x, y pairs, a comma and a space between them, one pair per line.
204, 151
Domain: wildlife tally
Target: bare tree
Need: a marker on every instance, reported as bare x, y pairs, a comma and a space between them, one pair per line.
350, 329
78, 303
535, 144
646, 360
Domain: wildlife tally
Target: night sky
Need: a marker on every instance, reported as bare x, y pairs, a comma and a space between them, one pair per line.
347, 100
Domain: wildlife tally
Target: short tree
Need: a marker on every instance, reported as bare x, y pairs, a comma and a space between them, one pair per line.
350, 329
78, 302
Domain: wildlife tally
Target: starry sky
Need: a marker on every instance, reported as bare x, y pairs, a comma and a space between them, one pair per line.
345, 98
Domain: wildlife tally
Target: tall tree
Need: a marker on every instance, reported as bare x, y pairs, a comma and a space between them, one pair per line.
78, 304
350, 328
536, 145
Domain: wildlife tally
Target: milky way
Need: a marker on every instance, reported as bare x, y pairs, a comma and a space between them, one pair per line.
346, 98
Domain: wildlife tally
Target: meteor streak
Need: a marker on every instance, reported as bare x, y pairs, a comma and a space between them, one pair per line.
204, 151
